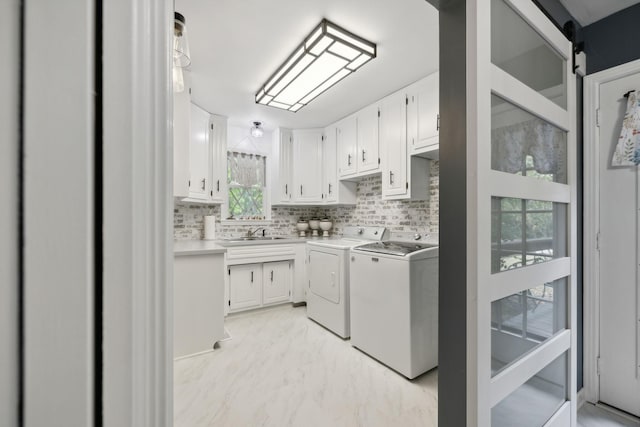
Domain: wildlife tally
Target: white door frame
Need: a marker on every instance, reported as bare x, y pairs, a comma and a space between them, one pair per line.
591, 259
138, 213
9, 223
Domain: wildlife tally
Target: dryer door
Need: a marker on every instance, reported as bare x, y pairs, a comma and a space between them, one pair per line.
324, 275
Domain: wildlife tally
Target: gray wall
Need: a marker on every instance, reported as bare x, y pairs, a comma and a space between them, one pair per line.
9, 226
613, 40
452, 311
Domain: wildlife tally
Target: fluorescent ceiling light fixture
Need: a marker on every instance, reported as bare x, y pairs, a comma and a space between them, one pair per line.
256, 130
326, 56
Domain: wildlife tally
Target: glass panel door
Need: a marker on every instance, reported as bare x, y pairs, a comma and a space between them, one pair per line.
524, 231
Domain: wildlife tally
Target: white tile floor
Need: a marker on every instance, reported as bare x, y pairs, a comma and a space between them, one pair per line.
593, 416
281, 369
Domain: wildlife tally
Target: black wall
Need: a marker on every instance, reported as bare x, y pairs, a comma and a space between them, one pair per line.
613, 40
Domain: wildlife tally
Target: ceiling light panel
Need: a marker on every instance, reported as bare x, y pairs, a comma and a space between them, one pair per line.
325, 57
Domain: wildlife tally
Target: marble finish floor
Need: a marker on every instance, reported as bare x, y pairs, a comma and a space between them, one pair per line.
593, 416
281, 369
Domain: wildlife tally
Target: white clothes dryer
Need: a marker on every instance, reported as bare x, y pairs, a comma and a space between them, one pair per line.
328, 277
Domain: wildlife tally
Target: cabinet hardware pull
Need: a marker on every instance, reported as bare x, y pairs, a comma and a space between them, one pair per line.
272, 275
203, 182
218, 186
252, 277
329, 188
301, 190
390, 178
349, 160
363, 159
438, 123
286, 189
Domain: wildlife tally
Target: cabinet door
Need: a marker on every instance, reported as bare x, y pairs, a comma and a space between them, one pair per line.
276, 282
423, 116
181, 125
199, 154
285, 163
307, 166
245, 286
368, 142
346, 141
330, 169
218, 138
393, 141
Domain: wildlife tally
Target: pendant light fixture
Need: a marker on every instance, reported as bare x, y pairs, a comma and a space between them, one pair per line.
181, 54
326, 56
256, 130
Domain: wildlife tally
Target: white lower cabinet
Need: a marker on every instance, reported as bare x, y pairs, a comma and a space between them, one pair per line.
257, 285
245, 286
276, 282
198, 303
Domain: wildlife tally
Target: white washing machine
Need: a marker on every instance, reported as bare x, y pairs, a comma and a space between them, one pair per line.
328, 277
394, 301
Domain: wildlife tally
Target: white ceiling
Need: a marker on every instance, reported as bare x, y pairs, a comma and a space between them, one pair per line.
590, 11
237, 44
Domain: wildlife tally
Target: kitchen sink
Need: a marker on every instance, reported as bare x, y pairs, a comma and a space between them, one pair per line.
253, 238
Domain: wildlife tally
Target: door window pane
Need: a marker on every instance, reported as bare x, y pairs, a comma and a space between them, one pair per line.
523, 321
534, 402
523, 144
526, 232
519, 50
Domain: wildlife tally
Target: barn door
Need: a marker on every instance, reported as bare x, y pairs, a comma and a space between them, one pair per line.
522, 114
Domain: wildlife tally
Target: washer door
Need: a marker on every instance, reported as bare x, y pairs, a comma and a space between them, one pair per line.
324, 275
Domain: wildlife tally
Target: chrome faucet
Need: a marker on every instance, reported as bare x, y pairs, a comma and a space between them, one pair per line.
252, 233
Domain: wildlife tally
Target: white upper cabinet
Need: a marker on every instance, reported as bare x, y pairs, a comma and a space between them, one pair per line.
207, 157
181, 125
199, 154
307, 166
282, 163
404, 177
368, 148
334, 191
358, 144
423, 118
393, 140
218, 142
347, 146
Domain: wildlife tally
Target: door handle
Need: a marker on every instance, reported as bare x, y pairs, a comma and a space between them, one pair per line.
363, 159
272, 275
203, 182
348, 159
438, 122
252, 277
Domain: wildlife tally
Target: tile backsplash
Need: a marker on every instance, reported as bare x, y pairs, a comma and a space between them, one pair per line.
370, 209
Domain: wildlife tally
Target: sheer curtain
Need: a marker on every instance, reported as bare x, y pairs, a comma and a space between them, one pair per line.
246, 170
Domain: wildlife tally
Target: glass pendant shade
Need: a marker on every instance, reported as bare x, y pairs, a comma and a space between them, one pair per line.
256, 130
181, 54
326, 56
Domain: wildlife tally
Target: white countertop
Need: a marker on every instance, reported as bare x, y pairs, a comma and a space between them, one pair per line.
197, 247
